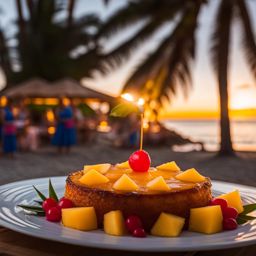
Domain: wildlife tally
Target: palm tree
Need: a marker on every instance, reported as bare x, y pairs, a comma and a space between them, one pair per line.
169, 66
50, 47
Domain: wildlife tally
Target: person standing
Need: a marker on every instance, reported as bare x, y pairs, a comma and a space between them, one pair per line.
65, 135
9, 142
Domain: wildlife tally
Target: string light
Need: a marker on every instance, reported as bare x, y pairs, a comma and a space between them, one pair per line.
128, 97
141, 102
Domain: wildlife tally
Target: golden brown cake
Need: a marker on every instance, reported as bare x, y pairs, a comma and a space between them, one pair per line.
147, 204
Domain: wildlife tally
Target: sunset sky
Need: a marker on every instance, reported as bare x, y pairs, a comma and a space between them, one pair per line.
204, 94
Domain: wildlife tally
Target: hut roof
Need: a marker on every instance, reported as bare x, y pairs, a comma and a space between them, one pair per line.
71, 88
34, 87
39, 88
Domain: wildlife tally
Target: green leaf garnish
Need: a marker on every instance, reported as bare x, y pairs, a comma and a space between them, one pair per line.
243, 217
39, 214
240, 220
38, 210
52, 193
124, 109
32, 208
43, 197
247, 217
248, 208
38, 202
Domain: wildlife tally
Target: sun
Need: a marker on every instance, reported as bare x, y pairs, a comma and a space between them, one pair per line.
243, 99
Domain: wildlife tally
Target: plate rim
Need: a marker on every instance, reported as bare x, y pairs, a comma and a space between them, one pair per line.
122, 247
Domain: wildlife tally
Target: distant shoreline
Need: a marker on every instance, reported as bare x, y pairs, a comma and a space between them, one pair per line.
207, 131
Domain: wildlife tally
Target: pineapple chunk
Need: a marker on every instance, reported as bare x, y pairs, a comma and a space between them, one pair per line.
190, 175
81, 218
123, 165
158, 184
170, 166
102, 168
114, 223
93, 177
168, 225
234, 200
207, 220
125, 183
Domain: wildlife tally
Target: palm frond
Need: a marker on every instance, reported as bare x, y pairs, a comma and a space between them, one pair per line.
117, 56
127, 16
248, 43
137, 11
158, 13
169, 66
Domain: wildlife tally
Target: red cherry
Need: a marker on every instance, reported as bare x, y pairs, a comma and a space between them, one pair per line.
65, 203
223, 203
230, 212
140, 161
139, 232
54, 214
229, 224
133, 222
48, 204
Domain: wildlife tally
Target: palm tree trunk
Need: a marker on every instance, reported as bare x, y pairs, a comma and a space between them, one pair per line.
30, 6
20, 14
5, 58
71, 5
225, 135
221, 58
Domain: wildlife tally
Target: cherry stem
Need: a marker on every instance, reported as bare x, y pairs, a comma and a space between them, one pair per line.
141, 130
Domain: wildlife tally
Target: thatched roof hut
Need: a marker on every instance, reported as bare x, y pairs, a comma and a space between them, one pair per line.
39, 88
72, 89
32, 88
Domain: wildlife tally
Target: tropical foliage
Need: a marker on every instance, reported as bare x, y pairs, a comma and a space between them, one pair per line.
49, 46
169, 66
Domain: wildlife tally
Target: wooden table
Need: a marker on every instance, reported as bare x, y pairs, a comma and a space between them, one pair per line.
16, 244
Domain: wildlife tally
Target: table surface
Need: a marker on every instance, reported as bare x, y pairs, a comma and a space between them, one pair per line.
13, 243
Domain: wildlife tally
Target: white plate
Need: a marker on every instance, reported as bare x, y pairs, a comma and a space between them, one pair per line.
13, 217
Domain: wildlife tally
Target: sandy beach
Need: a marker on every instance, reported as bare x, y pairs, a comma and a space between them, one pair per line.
46, 162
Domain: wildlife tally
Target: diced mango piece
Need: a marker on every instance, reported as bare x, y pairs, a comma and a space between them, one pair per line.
158, 184
165, 174
170, 166
114, 223
190, 175
82, 218
123, 165
125, 183
115, 174
234, 200
102, 168
168, 225
207, 220
140, 176
93, 177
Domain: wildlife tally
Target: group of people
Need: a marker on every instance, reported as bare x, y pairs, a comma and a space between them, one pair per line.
23, 129
12, 128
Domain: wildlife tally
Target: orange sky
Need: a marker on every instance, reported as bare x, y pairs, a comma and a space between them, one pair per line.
197, 114
242, 105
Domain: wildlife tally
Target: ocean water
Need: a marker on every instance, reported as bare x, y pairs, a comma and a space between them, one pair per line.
207, 131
